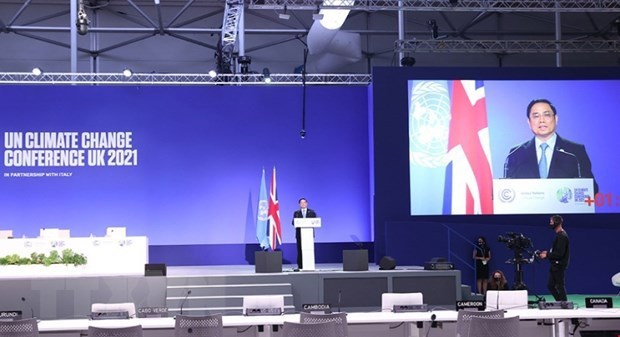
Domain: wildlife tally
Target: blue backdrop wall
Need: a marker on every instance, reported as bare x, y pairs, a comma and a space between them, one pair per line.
190, 177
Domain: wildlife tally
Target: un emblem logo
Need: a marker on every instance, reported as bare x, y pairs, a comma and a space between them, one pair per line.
506, 195
429, 124
564, 195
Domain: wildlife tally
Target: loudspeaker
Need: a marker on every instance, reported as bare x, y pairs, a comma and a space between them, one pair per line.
387, 263
268, 262
155, 269
355, 260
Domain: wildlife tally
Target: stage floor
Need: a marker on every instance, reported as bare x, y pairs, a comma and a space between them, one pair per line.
226, 270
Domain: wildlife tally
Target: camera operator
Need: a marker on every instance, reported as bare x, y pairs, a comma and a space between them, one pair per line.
558, 256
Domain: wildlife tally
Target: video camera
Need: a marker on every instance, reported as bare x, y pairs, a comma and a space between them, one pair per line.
516, 241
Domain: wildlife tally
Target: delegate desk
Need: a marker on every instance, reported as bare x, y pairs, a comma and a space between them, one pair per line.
560, 319
105, 256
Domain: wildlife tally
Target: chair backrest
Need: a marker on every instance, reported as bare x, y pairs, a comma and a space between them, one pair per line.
262, 302
19, 328
130, 331
464, 319
340, 318
111, 307
324, 329
506, 299
199, 326
389, 300
494, 327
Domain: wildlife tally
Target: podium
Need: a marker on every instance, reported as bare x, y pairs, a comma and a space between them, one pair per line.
307, 226
526, 196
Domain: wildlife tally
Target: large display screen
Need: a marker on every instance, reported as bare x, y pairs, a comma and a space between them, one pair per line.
472, 147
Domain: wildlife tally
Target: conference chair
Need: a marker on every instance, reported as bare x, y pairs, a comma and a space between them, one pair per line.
128, 307
494, 327
615, 280
340, 318
463, 320
130, 331
19, 328
324, 329
506, 299
389, 300
199, 326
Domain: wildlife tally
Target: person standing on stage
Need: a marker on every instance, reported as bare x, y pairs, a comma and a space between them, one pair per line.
559, 257
482, 255
302, 212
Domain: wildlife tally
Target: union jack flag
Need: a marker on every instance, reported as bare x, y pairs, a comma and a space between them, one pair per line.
469, 150
275, 227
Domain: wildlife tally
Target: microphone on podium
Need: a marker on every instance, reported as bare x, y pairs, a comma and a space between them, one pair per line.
508, 157
185, 299
576, 159
29, 306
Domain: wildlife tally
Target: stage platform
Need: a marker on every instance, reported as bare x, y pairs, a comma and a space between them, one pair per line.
222, 288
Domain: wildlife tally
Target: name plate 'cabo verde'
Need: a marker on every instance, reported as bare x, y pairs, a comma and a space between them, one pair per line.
151, 312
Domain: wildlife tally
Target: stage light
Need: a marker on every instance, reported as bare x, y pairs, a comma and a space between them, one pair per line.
284, 15
316, 16
36, 71
244, 63
82, 19
266, 75
212, 73
407, 61
617, 24
127, 72
454, 2
432, 25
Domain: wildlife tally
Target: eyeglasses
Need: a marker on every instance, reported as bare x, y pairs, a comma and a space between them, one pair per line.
546, 115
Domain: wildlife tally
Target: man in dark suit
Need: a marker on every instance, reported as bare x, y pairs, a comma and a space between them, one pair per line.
547, 155
302, 212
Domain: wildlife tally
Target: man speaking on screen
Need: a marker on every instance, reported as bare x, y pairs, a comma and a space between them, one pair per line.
547, 155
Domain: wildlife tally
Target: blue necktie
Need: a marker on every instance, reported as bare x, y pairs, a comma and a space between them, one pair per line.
303, 213
542, 164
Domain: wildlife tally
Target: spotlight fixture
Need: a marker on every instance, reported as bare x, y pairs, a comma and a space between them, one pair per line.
82, 19
127, 72
266, 75
302, 134
36, 71
617, 24
212, 73
317, 16
284, 15
407, 61
432, 25
244, 63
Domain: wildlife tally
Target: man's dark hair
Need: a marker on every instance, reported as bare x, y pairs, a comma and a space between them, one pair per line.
557, 220
540, 100
300, 199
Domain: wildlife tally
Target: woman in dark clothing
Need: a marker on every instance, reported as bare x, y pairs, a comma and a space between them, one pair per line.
498, 281
482, 255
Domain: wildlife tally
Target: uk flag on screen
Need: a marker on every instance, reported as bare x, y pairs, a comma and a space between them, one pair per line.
469, 151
